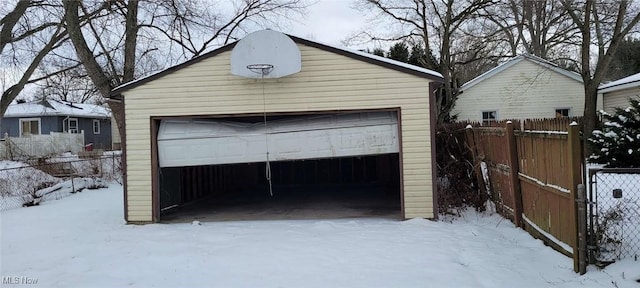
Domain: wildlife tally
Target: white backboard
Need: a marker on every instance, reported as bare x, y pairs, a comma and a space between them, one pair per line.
269, 48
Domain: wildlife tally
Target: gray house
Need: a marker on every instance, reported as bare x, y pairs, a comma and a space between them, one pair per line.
45, 116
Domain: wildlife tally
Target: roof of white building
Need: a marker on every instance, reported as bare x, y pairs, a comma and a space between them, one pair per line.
620, 84
515, 60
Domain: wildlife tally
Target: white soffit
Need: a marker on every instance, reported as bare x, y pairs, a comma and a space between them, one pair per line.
201, 142
263, 49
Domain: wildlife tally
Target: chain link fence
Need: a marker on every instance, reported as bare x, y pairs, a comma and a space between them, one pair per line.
614, 216
28, 182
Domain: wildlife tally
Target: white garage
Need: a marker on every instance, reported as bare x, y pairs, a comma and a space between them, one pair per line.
339, 130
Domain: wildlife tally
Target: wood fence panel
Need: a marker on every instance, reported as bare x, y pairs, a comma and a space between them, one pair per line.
492, 148
545, 175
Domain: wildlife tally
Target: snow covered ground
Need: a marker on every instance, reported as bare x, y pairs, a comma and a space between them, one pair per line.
82, 241
618, 221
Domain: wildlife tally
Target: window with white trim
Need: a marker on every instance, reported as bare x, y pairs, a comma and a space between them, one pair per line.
29, 126
563, 112
96, 126
489, 116
71, 125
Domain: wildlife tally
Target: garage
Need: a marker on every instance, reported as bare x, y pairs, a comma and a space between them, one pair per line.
325, 133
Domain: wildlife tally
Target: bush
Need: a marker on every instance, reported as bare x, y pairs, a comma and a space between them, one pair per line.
456, 183
617, 145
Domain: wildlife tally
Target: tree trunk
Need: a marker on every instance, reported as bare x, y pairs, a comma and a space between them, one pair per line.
99, 78
590, 117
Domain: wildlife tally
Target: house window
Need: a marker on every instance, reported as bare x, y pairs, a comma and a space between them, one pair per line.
563, 112
71, 125
96, 126
29, 126
489, 116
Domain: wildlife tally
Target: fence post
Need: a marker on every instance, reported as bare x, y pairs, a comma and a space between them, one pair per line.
575, 178
582, 228
514, 169
476, 164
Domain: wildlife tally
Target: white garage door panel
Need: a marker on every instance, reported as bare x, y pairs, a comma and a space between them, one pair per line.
192, 143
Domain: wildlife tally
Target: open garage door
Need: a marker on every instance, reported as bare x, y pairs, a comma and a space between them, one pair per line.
322, 165
212, 142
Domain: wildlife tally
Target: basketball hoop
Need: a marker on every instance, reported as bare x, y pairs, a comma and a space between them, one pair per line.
265, 54
262, 69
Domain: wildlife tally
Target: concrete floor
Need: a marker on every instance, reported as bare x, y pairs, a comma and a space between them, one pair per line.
290, 204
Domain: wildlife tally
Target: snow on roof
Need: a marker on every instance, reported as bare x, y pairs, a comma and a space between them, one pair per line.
375, 58
56, 108
515, 60
379, 58
624, 83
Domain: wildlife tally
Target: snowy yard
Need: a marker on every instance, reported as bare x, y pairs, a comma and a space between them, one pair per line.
82, 241
618, 222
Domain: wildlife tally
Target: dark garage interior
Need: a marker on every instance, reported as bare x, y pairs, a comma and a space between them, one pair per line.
363, 186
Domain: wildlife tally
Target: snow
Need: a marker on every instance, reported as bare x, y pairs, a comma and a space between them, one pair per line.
612, 124
82, 241
618, 218
546, 132
17, 180
58, 108
383, 59
552, 238
555, 187
627, 82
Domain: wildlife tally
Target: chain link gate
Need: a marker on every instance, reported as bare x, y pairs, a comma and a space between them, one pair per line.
614, 214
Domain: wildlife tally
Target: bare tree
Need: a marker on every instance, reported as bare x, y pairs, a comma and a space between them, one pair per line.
539, 27
71, 85
31, 33
609, 23
437, 24
114, 54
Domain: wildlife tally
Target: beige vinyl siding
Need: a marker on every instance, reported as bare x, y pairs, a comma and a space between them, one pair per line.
619, 98
328, 81
524, 90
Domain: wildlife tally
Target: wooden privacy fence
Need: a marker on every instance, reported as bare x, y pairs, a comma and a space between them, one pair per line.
532, 175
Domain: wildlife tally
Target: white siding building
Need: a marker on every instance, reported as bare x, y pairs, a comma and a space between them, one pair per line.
617, 93
522, 88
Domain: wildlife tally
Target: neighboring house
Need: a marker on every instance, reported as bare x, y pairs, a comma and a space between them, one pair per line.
617, 93
195, 131
524, 87
46, 116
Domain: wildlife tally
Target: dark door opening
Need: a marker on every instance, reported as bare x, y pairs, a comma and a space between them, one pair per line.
364, 186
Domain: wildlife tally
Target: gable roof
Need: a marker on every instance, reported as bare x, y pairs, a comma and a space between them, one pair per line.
624, 83
358, 55
56, 108
515, 60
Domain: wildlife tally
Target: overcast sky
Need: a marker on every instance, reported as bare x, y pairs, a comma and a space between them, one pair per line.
329, 21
